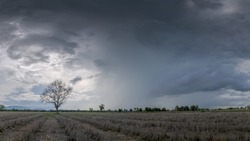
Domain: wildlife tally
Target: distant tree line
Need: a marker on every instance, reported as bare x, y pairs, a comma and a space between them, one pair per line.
155, 109
187, 108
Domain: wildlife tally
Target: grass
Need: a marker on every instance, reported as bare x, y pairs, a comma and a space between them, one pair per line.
49, 114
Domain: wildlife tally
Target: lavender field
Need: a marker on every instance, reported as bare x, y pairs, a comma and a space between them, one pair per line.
129, 126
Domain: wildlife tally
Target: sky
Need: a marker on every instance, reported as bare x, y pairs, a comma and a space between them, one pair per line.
126, 53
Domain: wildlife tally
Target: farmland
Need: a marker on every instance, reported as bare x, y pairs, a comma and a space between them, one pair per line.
127, 126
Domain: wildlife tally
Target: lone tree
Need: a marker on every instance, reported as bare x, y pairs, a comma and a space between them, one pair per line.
56, 93
101, 107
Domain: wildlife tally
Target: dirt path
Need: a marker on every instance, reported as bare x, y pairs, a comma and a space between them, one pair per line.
50, 131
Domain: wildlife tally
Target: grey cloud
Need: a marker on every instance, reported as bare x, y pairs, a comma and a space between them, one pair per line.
38, 89
100, 63
93, 76
80, 60
18, 91
48, 43
23, 48
7, 32
79, 78
75, 80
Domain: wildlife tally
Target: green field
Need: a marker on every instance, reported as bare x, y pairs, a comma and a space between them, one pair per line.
130, 126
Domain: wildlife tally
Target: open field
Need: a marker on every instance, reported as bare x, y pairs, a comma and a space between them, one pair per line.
127, 126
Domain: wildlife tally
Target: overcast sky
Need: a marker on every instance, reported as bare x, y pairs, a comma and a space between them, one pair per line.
126, 53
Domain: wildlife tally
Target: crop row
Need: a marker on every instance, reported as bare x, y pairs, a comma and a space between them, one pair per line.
216, 126
191, 122
17, 122
175, 116
25, 132
78, 131
150, 134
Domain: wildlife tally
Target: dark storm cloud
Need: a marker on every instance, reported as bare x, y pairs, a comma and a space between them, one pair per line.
110, 9
213, 4
144, 48
6, 31
188, 53
204, 78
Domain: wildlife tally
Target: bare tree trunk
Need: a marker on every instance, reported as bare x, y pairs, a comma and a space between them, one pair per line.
57, 110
